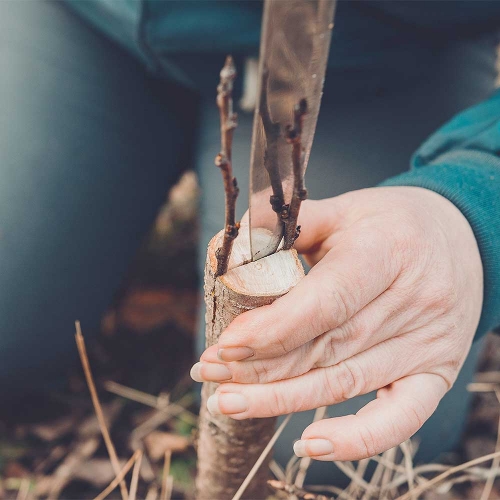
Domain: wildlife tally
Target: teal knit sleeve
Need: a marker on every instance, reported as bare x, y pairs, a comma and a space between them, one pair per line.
461, 161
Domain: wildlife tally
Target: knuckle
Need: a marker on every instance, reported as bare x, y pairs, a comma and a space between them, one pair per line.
347, 381
416, 413
332, 347
279, 404
334, 306
368, 441
261, 371
441, 295
448, 371
282, 344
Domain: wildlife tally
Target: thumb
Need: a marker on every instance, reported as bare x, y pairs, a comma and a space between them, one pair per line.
318, 221
398, 412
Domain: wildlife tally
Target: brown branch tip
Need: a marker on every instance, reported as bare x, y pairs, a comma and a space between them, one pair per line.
224, 161
293, 135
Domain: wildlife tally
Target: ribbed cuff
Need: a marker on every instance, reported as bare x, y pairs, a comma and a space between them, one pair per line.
471, 181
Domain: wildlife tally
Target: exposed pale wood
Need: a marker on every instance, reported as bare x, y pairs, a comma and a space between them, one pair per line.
227, 449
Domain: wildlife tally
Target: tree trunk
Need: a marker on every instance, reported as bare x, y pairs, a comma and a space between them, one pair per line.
227, 449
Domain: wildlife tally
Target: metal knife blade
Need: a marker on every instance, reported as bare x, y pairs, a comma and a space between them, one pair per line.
294, 48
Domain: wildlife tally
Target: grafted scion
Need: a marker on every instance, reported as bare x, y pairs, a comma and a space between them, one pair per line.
228, 122
293, 135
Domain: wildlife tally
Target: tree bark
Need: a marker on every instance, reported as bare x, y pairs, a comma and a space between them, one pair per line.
227, 448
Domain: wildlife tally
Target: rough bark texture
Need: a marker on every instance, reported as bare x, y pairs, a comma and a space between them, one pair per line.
227, 449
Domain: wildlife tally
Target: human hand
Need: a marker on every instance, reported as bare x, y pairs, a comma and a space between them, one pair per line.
391, 304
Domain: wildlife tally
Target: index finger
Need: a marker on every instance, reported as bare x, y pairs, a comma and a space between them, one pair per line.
359, 268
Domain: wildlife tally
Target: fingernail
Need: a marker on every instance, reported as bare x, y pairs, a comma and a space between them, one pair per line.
212, 372
312, 447
235, 353
227, 404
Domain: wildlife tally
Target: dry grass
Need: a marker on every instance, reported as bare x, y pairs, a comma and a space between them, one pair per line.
394, 477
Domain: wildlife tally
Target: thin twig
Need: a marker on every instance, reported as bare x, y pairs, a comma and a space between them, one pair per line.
409, 471
136, 395
170, 487
24, 489
291, 468
119, 477
353, 488
420, 489
374, 480
493, 377
294, 137
163, 416
488, 486
277, 470
80, 452
325, 487
224, 161
80, 342
295, 492
161, 402
390, 456
166, 474
135, 476
152, 493
351, 474
482, 386
261, 459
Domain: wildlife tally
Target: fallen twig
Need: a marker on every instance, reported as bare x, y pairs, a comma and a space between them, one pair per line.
82, 451
295, 491
24, 489
135, 476
161, 402
152, 493
488, 486
119, 477
165, 488
80, 342
277, 470
408, 461
420, 489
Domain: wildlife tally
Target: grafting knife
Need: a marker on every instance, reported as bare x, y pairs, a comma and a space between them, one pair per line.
294, 48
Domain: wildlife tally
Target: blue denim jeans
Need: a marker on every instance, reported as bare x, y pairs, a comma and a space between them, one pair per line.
89, 145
